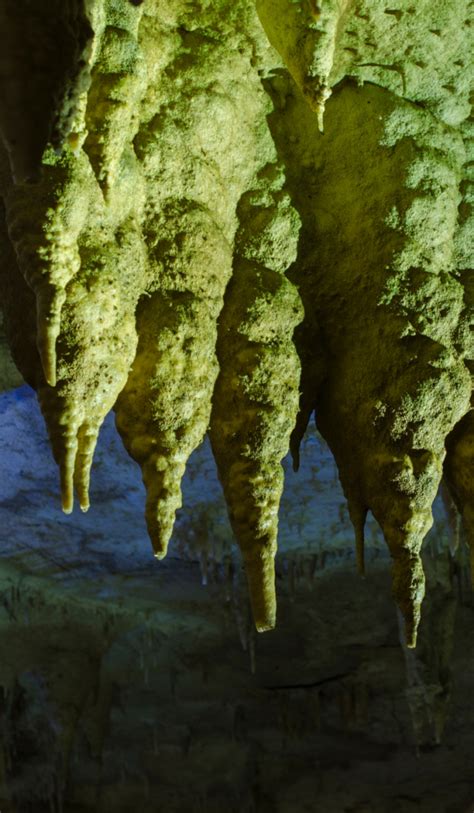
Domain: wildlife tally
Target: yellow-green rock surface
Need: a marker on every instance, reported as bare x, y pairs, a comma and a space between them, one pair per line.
179, 239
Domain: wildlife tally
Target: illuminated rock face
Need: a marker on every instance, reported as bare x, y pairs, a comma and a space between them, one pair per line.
172, 213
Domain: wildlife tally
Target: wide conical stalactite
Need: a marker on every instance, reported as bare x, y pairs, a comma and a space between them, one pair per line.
169, 203
164, 410
378, 275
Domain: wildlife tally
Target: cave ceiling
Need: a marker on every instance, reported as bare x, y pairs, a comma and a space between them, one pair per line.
224, 217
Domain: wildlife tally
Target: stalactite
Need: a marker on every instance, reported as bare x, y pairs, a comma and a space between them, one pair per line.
163, 411
397, 384
44, 227
255, 399
306, 35
84, 290
95, 358
204, 568
118, 85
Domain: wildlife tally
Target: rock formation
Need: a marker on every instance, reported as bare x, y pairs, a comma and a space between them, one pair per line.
172, 212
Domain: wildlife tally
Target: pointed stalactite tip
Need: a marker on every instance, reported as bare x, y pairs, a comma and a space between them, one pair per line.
410, 608
160, 524
67, 492
411, 633
265, 626
159, 539
261, 584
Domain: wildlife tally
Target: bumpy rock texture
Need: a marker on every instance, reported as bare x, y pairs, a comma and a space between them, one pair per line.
172, 212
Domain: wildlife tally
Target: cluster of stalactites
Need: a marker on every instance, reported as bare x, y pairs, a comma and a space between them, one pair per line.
141, 301
379, 271
154, 236
85, 288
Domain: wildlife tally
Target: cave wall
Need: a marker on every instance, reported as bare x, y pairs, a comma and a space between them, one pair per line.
122, 676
